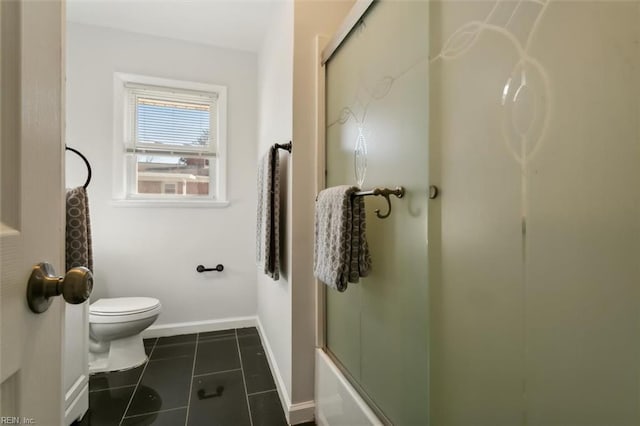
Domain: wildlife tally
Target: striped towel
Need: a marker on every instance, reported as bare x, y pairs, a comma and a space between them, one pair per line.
79, 251
268, 218
341, 251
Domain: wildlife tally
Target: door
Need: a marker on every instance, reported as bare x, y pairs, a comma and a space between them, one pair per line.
377, 99
535, 142
31, 206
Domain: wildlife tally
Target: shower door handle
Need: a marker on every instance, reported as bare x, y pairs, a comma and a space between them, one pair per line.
44, 284
433, 192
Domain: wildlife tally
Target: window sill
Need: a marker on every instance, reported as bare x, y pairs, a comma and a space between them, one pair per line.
169, 203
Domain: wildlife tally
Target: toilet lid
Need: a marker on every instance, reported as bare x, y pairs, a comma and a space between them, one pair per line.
123, 305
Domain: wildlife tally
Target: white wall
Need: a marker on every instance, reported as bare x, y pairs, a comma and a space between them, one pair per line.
287, 92
153, 251
275, 122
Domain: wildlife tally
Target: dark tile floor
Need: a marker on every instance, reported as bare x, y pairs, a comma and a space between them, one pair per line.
216, 378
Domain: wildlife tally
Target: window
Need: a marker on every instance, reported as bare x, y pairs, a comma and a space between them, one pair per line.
173, 140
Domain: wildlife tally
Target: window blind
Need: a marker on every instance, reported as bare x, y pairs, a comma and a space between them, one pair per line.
171, 121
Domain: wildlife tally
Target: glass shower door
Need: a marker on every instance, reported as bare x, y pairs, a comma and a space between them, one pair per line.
535, 283
377, 136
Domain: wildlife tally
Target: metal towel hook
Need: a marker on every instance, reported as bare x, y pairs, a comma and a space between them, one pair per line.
388, 213
384, 192
398, 192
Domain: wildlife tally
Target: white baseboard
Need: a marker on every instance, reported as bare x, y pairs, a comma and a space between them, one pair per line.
178, 328
295, 413
277, 376
77, 408
301, 412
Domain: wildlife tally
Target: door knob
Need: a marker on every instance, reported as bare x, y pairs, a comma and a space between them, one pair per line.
44, 284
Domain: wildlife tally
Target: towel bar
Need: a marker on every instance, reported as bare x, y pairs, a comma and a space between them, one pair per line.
384, 192
286, 146
86, 162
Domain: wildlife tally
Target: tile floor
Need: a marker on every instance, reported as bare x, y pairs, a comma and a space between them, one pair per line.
216, 378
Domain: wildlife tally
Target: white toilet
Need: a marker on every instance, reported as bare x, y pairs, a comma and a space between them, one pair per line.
115, 327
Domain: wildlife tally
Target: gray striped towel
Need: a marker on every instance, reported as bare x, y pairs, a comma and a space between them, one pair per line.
341, 251
268, 215
79, 251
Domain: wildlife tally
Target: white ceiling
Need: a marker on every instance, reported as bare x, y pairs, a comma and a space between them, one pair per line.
233, 24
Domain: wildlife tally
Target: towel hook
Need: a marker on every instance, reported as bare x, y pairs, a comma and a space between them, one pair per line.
384, 192
398, 192
388, 213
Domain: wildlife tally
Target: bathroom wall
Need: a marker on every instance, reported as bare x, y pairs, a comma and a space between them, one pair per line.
275, 125
311, 19
287, 111
153, 251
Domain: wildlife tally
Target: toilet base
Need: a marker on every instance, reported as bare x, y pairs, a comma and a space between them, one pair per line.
123, 354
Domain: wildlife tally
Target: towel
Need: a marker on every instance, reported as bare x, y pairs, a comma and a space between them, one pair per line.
267, 229
341, 251
78, 230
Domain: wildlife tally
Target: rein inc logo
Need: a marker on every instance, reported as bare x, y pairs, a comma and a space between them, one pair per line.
7, 420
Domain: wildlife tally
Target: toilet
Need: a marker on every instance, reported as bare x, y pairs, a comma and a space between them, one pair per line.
115, 327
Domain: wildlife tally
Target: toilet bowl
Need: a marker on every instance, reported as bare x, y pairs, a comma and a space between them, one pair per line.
115, 327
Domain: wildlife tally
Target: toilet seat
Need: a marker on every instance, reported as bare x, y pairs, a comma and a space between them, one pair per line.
123, 309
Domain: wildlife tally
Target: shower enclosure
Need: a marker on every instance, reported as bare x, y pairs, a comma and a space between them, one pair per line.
513, 296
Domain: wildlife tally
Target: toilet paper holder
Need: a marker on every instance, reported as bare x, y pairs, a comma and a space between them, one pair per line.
219, 268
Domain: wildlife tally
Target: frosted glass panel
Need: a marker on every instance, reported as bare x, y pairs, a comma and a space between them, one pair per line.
583, 239
535, 241
377, 136
477, 291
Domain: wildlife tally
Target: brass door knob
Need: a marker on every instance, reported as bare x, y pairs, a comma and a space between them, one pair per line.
44, 284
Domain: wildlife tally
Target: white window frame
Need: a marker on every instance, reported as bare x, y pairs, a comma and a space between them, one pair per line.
123, 192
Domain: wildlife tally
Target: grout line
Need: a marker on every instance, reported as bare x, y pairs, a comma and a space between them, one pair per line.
193, 370
216, 339
155, 412
164, 345
217, 372
231, 332
139, 380
115, 387
266, 391
244, 383
170, 357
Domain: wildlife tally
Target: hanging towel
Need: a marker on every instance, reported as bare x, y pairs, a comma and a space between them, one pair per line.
267, 229
78, 230
341, 251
